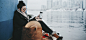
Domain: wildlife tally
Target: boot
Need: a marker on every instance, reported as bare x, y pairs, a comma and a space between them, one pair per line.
55, 35
58, 37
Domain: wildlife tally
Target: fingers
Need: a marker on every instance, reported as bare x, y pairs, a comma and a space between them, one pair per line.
38, 15
38, 19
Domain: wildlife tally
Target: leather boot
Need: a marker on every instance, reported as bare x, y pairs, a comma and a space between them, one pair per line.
55, 35
58, 37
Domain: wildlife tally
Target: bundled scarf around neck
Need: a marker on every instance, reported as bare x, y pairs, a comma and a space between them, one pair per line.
24, 14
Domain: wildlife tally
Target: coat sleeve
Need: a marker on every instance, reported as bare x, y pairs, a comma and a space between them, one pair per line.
33, 19
18, 20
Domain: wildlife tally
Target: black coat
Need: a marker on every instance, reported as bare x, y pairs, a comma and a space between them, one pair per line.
19, 21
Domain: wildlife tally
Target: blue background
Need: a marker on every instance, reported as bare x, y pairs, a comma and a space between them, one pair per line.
7, 8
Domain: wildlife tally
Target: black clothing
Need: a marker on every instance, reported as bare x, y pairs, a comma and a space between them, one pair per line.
45, 27
19, 21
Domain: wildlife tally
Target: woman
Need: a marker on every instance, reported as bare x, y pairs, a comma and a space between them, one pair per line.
20, 19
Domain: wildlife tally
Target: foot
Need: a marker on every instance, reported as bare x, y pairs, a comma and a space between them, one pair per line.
60, 38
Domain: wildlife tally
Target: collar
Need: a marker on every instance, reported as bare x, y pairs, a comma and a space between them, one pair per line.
24, 14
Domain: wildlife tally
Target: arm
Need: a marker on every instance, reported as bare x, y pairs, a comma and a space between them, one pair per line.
18, 20
37, 18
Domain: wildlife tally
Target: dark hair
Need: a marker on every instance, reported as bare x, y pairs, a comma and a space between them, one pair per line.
20, 4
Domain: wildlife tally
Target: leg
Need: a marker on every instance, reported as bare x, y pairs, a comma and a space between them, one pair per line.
48, 30
45, 27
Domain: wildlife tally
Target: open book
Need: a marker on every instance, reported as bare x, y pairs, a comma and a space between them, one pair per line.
33, 15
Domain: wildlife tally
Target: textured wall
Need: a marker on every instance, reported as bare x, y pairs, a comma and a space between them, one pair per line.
7, 8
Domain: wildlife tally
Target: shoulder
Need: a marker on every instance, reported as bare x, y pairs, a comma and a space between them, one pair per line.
16, 11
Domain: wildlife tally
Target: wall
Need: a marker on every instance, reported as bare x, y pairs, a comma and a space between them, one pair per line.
7, 8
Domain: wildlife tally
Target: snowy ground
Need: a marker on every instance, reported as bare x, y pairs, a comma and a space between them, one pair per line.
69, 24
71, 33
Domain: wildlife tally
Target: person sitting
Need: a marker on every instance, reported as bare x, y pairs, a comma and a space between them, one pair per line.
20, 19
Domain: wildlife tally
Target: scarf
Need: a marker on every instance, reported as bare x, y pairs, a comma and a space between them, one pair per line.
24, 14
